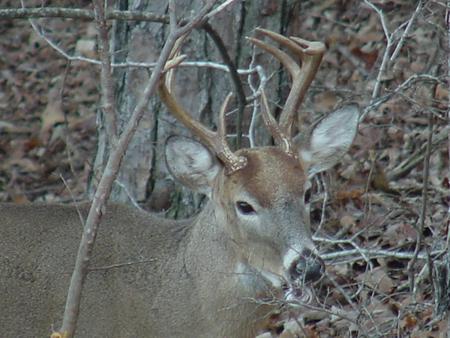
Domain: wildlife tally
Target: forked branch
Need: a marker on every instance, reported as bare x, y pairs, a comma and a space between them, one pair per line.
103, 191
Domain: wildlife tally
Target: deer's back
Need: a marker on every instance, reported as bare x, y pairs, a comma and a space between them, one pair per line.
124, 294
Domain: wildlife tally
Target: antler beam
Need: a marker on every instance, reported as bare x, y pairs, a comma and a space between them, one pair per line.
215, 140
310, 55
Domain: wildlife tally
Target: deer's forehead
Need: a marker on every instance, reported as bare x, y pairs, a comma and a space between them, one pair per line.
270, 176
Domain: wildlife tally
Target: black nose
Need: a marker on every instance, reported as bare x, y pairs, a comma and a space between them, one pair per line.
307, 268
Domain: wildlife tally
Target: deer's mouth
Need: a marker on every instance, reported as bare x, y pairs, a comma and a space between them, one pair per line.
296, 294
303, 269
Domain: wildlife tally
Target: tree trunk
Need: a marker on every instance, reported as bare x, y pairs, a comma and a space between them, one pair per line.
144, 177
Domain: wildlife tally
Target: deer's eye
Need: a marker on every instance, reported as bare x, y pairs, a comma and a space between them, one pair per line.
307, 197
244, 208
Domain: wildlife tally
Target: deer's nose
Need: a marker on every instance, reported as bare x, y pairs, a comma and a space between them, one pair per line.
307, 268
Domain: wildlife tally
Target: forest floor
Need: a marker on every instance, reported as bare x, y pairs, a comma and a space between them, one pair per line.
384, 232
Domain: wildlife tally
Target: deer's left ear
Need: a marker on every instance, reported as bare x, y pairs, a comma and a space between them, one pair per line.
328, 140
191, 163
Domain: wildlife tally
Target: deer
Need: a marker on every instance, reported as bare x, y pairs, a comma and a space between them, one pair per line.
222, 273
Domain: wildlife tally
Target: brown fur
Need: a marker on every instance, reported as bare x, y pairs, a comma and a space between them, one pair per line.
170, 291
265, 163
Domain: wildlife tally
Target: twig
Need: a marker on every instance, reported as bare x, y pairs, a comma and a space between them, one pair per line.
219, 9
72, 196
198, 64
252, 127
342, 291
255, 90
414, 159
406, 31
234, 78
384, 62
53, 44
295, 303
103, 191
368, 202
322, 181
134, 64
120, 265
107, 84
403, 86
130, 196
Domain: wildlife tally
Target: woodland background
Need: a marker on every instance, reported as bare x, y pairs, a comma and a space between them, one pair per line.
380, 218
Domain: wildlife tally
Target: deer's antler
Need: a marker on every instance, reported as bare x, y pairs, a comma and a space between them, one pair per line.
215, 140
310, 55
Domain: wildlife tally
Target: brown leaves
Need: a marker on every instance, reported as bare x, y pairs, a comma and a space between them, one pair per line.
37, 92
371, 208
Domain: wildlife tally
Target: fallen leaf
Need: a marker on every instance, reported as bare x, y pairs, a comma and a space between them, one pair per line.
377, 279
409, 321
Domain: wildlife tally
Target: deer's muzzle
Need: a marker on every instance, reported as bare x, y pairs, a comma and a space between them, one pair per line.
307, 268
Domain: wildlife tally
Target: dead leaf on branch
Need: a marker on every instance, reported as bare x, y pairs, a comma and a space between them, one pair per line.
52, 114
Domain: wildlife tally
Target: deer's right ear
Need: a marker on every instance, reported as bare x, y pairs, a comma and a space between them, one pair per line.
191, 163
323, 146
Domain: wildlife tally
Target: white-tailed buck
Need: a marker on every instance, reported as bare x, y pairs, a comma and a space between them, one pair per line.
216, 275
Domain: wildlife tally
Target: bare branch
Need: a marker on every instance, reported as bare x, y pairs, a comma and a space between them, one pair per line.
107, 82
387, 56
384, 62
353, 255
135, 64
351, 242
76, 13
382, 19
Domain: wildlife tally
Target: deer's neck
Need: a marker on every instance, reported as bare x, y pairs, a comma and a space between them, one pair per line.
214, 257
224, 287
208, 244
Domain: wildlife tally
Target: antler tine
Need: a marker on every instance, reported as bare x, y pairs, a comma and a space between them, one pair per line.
285, 59
232, 161
280, 139
310, 54
222, 128
216, 141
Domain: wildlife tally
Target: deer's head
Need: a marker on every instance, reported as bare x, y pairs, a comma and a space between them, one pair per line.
260, 195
